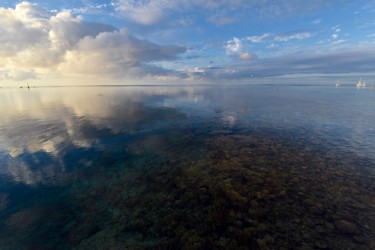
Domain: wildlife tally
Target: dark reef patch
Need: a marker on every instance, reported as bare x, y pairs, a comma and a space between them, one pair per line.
209, 187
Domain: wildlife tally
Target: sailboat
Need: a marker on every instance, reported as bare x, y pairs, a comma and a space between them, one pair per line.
361, 83
338, 83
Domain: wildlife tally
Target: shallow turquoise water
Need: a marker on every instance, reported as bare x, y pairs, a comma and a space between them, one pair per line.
227, 167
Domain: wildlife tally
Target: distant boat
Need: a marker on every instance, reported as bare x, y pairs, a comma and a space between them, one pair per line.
361, 84
338, 84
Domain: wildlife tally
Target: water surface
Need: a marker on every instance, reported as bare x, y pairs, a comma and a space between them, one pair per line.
165, 167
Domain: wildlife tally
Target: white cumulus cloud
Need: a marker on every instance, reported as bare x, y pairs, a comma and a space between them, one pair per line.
34, 41
143, 12
117, 53
233, 46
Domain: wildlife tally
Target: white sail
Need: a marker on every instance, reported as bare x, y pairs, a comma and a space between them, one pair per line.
361, 83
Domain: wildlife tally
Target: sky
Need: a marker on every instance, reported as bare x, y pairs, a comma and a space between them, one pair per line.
70, 42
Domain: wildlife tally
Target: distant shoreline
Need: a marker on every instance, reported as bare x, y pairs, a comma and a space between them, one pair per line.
182, 85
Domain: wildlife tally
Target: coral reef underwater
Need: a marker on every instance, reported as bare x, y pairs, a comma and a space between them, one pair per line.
204, 187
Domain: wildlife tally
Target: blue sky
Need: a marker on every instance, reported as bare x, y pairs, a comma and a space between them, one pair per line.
186, 41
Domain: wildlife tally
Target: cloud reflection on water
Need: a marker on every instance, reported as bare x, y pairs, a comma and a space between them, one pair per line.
47, 132
45, 127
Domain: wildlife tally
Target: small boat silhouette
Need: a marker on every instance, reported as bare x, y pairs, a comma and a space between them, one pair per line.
361, 84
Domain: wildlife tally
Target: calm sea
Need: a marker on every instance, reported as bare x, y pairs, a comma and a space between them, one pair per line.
167, 167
